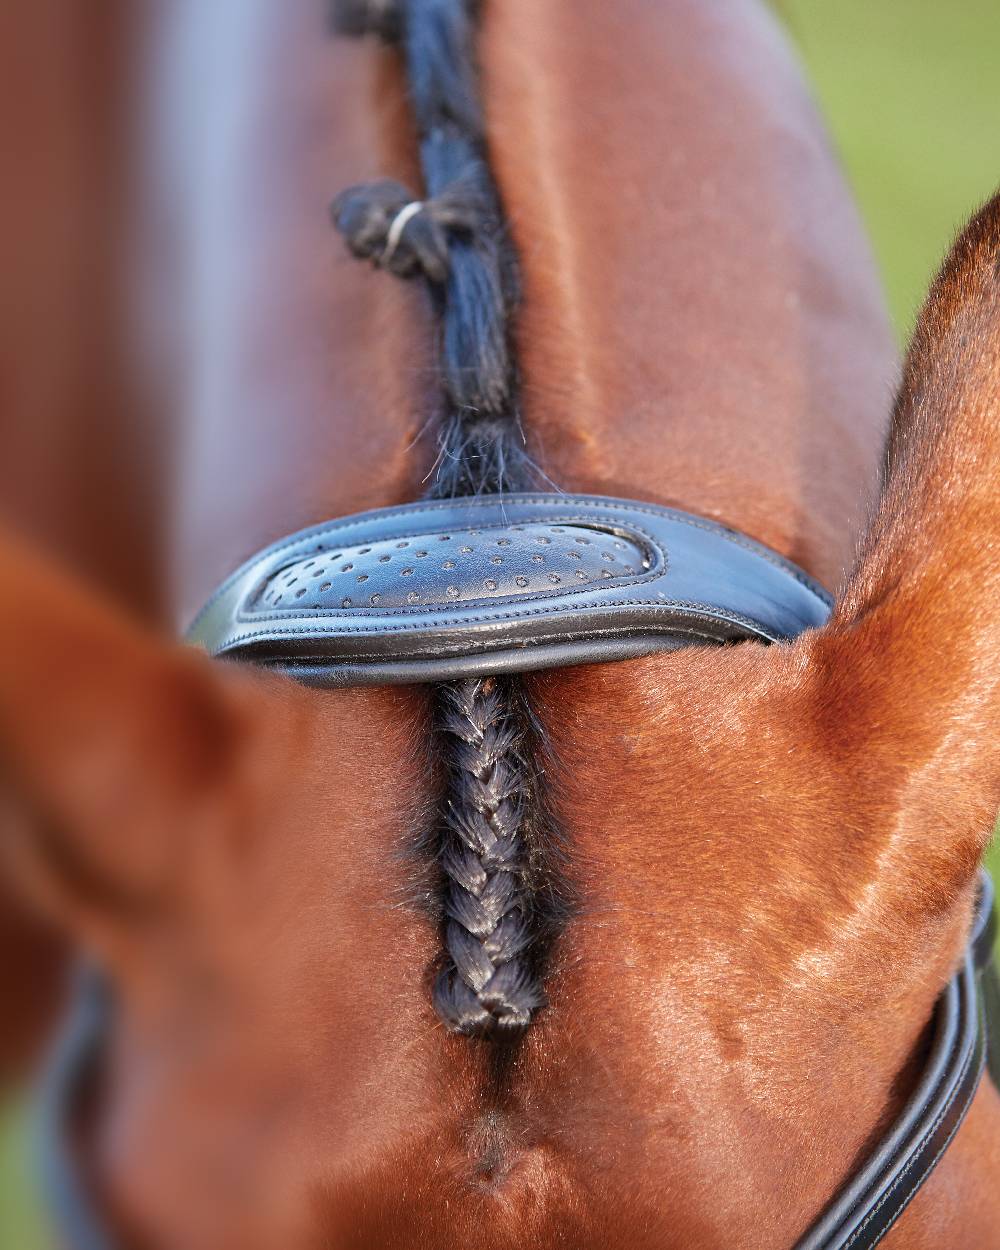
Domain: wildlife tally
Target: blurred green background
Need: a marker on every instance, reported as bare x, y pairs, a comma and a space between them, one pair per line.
912, 93
911, 90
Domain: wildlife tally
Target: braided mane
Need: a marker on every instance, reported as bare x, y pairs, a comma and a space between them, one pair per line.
501, 904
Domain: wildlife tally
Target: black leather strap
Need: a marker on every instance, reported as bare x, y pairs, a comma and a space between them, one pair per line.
879, 1193
67, 1078
432, 591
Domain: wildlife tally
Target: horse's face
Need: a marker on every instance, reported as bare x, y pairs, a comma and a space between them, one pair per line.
257, 894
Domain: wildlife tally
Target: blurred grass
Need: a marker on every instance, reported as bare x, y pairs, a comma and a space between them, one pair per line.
21, 1226
911, 91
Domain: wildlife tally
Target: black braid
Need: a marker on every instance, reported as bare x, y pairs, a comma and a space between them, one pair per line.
495, 843
457, 241
489, 987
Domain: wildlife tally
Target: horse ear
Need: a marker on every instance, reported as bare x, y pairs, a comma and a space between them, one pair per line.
908, 669
111, 743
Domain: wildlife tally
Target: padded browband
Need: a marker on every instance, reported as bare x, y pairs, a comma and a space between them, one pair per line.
485, 585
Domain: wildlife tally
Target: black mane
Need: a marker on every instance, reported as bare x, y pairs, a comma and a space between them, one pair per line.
500, 892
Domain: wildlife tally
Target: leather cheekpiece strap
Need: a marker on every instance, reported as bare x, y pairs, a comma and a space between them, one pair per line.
478, 586
67, 1080
881, 1190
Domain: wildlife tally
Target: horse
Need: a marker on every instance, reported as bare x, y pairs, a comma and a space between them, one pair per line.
644, 946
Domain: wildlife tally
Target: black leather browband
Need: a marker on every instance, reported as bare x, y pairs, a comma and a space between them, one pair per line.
433, 591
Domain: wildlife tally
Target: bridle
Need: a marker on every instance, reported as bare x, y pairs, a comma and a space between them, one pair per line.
481, 581
497, 584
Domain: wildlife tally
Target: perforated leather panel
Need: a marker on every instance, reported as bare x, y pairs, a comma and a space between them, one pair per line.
455, 566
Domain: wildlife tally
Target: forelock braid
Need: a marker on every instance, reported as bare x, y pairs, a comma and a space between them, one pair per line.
489, 987
456, 239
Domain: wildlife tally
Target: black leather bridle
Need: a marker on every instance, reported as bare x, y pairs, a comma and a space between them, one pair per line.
486, 585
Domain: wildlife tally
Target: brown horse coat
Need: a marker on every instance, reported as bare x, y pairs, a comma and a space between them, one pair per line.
773, 849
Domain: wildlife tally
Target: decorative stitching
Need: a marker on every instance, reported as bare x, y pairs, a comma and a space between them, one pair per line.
293, 631
928, 1136
457, 652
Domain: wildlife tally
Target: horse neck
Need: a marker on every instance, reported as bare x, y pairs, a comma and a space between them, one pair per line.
69, 421
700, 324
306, 383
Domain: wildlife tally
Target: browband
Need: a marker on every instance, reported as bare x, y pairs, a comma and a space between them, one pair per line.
486, 585
479, 586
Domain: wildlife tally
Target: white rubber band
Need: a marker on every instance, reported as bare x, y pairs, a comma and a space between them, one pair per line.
395, 233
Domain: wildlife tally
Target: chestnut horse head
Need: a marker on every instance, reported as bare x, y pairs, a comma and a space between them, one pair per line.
647, 948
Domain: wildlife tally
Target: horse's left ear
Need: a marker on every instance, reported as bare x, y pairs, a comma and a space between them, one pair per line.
906, 678
112, 743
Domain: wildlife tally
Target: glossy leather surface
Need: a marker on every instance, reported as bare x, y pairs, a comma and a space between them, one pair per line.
440, 570
881, 1190
437, 590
